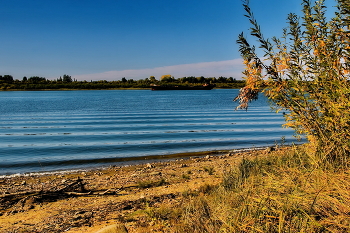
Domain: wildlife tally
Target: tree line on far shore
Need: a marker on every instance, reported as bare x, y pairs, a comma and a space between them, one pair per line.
7, 82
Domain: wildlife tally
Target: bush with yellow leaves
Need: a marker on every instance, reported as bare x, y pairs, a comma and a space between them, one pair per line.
306, 73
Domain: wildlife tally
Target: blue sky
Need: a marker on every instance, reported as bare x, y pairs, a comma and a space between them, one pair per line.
111, 39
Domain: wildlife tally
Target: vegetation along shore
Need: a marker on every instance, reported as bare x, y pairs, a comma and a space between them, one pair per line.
8, 83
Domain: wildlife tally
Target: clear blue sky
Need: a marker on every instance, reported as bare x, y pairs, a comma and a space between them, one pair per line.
111, 39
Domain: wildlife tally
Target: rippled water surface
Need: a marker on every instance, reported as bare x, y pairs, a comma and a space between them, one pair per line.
54, 130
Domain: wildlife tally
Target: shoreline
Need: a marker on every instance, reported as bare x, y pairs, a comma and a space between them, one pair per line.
57, 203
130, 161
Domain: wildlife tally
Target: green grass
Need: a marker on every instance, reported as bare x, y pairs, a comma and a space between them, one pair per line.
151, 183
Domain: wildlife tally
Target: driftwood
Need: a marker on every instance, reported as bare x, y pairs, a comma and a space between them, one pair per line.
78, 194
16, 194
76, 184
75, 188
18, 201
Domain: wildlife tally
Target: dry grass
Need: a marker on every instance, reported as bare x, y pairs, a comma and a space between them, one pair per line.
282, 192
257, 191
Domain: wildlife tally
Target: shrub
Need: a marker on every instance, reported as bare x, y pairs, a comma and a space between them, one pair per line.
306, 73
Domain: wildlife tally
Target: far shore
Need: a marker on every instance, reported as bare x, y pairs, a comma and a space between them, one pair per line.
106, 89
71, 89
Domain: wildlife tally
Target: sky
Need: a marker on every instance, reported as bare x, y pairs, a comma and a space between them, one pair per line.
135, 39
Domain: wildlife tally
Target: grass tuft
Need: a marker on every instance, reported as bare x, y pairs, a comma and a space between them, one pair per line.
210, 170
151, 183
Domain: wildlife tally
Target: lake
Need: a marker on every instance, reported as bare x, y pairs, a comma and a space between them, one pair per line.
62, 130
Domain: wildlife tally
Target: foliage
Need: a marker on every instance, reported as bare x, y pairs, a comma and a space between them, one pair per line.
67, 78
36, 79
306, 72
41, 83
166, 78
6, 78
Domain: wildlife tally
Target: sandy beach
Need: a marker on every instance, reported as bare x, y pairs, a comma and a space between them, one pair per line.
90, 200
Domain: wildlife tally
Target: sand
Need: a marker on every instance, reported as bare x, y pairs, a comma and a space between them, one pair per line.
87, 201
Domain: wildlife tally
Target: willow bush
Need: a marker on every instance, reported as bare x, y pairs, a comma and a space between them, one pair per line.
306, 73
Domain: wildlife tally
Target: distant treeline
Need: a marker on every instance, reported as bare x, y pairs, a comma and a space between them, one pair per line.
7, 82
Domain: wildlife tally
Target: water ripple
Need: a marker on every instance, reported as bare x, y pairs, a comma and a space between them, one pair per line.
53, 130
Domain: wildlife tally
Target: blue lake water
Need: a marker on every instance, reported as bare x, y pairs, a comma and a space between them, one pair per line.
61, 130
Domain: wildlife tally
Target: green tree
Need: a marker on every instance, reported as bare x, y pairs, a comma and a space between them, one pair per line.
306, 72
6, 78
36, 79
201, 79
222, 79
67, 78
192, 79
166, 78
152, 79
